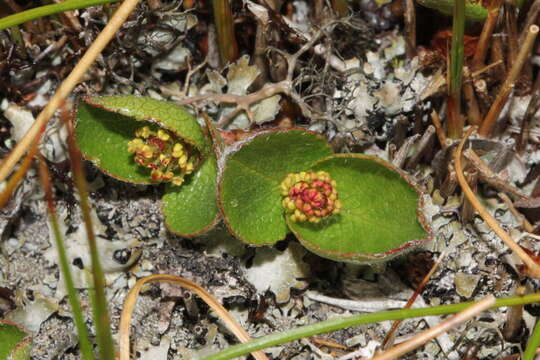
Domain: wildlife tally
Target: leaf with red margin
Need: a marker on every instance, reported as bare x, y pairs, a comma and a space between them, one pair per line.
379, 218
249, 196
106, 124
14, 341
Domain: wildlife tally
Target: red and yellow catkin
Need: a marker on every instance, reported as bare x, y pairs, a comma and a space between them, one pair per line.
309, 196
167, 156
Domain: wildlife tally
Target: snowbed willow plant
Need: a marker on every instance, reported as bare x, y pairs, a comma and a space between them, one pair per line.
346, 207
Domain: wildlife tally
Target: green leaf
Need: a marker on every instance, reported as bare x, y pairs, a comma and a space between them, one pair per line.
105, 125
474, 11
14, 342
166, 114
249, 195
379, 215
191, 209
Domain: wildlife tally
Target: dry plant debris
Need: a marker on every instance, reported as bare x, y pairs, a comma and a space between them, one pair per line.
301, 65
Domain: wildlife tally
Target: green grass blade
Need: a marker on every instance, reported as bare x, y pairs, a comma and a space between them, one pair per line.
337, 324
533, 343
47, 10
84, 343
99, 300
73, 298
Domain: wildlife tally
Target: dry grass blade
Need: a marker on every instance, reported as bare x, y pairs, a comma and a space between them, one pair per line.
533, 267
489, 122
389, 339
67, 86
17, 176
443, 327
131, 299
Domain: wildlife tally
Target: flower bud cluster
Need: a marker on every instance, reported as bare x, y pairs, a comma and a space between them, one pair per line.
309, 196
162, 152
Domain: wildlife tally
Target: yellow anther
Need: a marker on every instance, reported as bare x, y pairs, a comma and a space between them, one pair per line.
290, 205
144, 132
182, 160
163, 135
178, 150
189, 168
177, 180
146, 151
134, 145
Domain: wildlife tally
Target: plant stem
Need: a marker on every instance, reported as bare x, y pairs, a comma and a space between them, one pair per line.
340, 7
228, 48
473, 111
73, 298
46, 10
337, 324
100, 310
489, 122
533, 343
484, 40
410, 28
455, 120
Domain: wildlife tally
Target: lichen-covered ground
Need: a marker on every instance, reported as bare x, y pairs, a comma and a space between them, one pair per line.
364, 97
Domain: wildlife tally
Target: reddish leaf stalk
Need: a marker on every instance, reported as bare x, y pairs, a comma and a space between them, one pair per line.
484, 41
228, 47
454, 118
340, 7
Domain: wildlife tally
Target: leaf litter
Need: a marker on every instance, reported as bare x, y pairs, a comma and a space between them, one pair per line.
369, 106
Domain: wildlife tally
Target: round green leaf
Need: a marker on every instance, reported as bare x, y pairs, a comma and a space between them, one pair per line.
191, 209
166, 114
105, 125
249, 195
14, 342
379, 218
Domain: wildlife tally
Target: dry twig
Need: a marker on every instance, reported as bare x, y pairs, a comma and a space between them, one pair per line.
410, 28
489, 122
389, 338
527, 226
131, 300
441, 134
33, 134
443, 327
490, 177
487, 30
244, 102
533, 267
